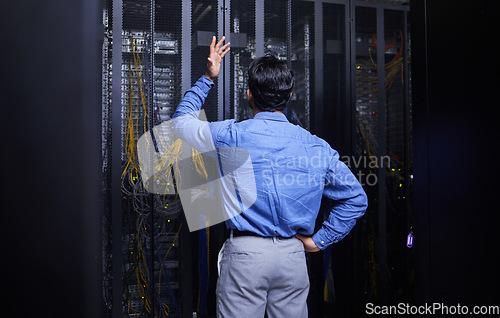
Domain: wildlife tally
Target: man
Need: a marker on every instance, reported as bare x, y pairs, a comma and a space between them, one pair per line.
262, 265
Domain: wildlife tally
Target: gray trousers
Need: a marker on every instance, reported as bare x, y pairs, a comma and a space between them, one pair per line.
259, 276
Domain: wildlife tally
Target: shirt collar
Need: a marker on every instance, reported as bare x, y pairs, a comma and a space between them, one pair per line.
271, 116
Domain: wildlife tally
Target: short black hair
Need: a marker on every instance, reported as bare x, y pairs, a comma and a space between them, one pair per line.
271, 82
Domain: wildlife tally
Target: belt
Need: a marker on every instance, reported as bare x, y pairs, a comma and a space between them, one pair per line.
237, 233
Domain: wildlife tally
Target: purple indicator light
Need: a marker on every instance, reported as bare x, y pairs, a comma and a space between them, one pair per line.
409, 240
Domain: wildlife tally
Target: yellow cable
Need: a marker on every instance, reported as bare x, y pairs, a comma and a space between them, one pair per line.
198, 163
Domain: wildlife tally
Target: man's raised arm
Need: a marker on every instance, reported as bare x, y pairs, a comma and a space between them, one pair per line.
186, 123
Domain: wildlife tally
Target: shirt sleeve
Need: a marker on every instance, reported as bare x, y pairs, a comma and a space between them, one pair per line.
348, 202
189, 121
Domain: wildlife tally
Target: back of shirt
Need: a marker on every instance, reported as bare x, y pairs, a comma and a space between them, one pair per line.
273, 173
290, 167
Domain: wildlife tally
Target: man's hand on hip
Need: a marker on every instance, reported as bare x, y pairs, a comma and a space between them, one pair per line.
215, 57
309, 245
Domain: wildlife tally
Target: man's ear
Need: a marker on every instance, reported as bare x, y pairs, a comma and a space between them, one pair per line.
250, 98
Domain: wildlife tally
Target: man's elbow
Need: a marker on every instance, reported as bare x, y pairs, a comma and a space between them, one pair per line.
362, 203
365, 199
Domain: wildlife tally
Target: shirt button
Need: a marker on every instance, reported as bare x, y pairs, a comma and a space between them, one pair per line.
322, 242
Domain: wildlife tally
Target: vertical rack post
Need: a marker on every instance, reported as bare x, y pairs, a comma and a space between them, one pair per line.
350, 25
226, 66
221, 96
382, 150
186, 45
407, 154
318, 67
151, 125
289, 46
259, 28
116, 164
186, 294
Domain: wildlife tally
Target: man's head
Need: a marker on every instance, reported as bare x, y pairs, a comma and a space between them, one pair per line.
270, 84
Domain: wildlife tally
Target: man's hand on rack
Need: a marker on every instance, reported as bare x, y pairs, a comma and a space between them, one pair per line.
217, 53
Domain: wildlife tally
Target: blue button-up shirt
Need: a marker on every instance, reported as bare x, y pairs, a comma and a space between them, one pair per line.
293, 169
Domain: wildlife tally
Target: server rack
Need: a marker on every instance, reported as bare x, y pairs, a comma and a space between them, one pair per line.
141, 231
350, 59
